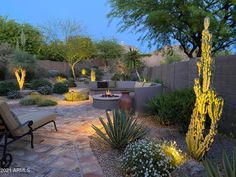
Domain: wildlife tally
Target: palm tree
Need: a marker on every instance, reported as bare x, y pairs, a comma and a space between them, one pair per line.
133, 62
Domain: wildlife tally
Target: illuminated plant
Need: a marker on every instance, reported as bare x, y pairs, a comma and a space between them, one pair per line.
20, 74
93, 75
83, 72
207, 103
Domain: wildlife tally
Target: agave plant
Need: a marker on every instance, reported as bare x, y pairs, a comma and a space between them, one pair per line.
229, 169
120, 129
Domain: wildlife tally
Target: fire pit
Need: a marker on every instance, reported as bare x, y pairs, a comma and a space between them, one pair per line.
106, 100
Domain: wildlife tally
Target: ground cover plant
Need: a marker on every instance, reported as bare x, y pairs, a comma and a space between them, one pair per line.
37, 99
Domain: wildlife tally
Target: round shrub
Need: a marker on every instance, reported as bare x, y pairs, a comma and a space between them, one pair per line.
46, 102
45, 90
76, 96
30, 100
148, 158
60, 88
174, 108
6, 87
14, 94
71, 83
35, 84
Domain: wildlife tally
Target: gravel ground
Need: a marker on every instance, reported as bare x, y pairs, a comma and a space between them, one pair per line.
110, 160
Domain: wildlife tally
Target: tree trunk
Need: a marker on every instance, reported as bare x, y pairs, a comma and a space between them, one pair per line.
73, 70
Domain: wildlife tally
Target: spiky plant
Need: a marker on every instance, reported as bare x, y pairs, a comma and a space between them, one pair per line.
229, 169
119, 130
207, 103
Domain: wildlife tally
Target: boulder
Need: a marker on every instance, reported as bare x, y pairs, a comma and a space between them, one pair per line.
191, 168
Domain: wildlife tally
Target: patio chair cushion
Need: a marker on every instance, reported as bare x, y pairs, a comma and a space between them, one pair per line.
11, 121
38, 118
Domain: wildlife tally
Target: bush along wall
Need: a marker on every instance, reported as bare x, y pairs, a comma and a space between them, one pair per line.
174, 108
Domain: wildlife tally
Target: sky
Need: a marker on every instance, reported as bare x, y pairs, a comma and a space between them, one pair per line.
90, 13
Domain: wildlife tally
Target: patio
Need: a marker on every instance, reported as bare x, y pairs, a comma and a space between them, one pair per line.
63, 153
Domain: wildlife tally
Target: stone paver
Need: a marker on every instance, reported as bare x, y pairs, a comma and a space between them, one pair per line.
65, 153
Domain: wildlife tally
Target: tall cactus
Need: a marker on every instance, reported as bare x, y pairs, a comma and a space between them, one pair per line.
207, 103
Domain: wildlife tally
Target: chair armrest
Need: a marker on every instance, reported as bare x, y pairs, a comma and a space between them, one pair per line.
28, 123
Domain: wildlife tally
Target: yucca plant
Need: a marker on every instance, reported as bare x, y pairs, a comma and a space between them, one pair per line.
120, 129
229, 169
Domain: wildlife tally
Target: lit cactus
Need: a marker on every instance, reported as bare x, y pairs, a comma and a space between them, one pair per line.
93, 75
20, 74
207, 103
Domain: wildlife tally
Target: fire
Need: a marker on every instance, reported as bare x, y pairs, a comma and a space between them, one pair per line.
108, 93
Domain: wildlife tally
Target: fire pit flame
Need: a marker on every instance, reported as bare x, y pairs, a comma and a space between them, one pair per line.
108, 93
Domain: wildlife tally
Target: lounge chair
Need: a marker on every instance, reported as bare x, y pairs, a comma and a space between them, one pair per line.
16, 127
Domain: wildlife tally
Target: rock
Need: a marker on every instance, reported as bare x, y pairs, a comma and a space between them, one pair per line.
25, 92
190, 168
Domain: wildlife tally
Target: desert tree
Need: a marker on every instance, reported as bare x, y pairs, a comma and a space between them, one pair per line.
162, 21
77, 49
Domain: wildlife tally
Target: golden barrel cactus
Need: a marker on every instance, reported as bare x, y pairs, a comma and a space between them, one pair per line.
207, 103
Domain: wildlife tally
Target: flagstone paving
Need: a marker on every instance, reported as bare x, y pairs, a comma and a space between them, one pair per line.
65, 153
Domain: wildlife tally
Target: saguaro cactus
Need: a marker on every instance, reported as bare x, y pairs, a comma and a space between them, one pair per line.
207, 103
20, 74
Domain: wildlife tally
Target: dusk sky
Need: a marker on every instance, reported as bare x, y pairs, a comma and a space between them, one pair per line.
91, 14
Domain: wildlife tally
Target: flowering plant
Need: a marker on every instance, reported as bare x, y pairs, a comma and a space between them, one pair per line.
149, 158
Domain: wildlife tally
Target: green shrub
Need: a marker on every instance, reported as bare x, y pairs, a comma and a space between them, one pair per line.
30, 100
120, 129
60, 88
25, 60
2, 72
45, 90
35, 84
99, 74
119, 77
46, 102
6, 86
158, 81
14, 94
148, 158
76, 96
174, 108
37, 99
71, 83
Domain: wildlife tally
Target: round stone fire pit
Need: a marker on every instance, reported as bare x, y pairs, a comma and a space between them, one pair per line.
103, 101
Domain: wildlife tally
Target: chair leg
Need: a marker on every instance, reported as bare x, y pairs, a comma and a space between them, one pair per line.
55, 125
32, 140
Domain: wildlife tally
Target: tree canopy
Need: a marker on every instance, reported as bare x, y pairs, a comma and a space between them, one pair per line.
108, 50
78, 48
162, 21
11, 32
